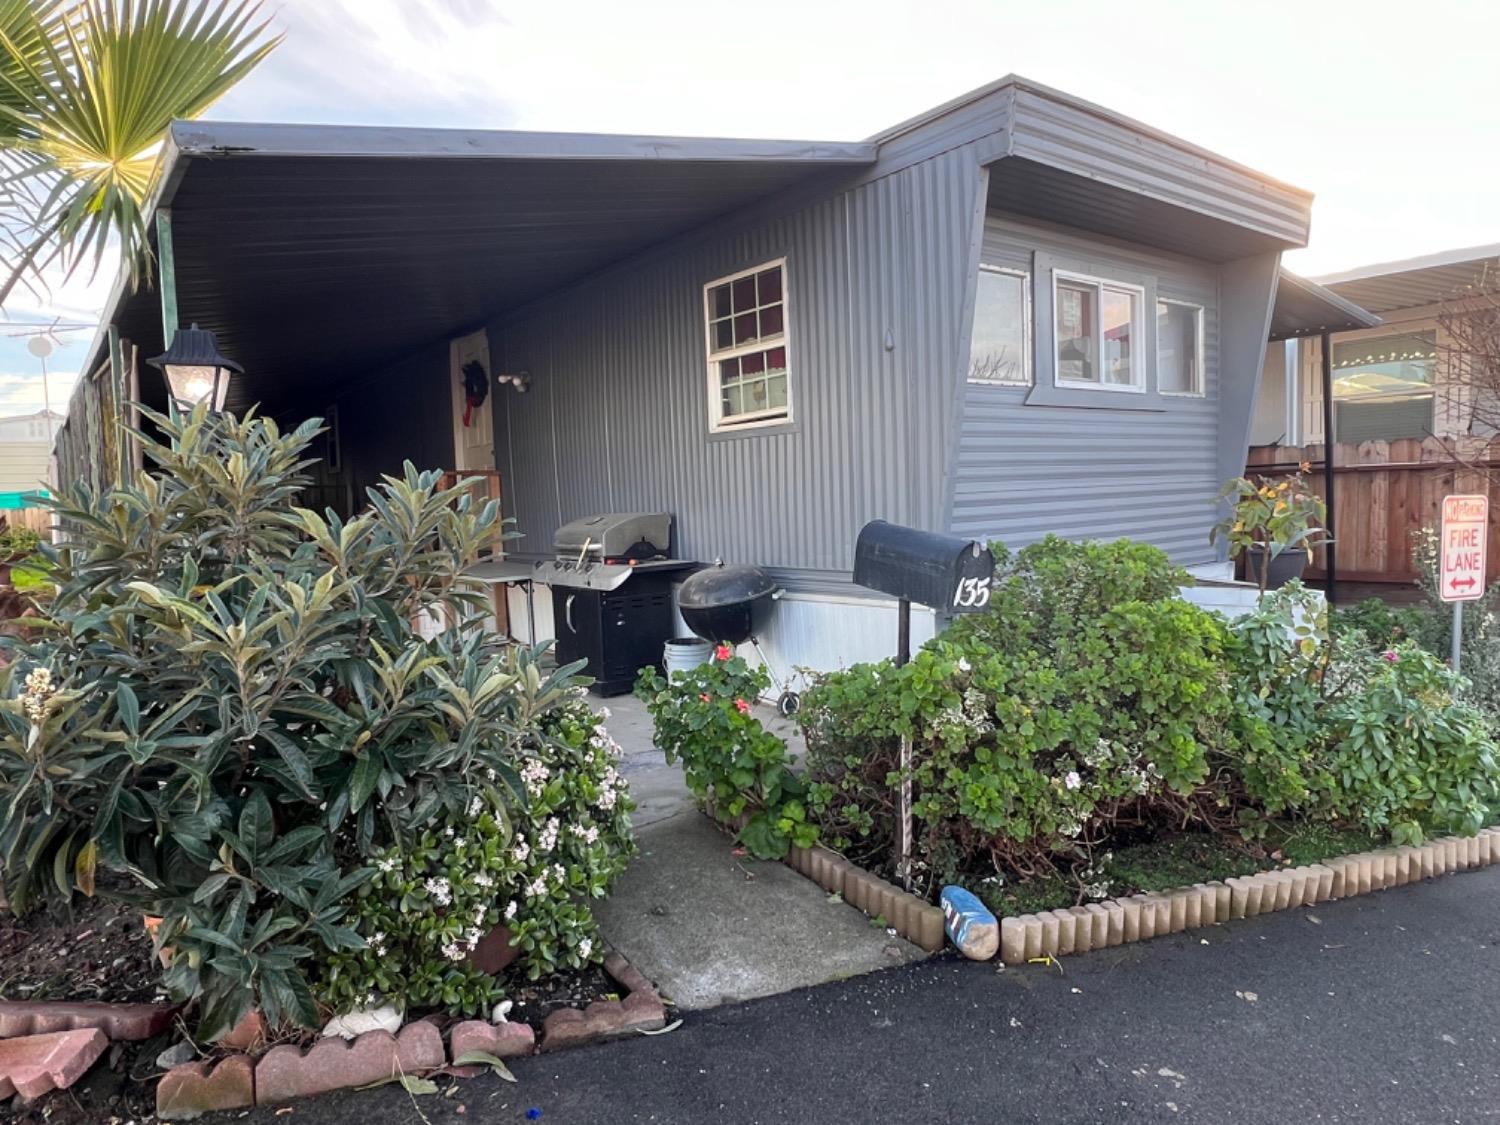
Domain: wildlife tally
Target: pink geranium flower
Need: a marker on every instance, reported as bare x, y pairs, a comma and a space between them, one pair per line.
723, 652
743, 706
1390, 656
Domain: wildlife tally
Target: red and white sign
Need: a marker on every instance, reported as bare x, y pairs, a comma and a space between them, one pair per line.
1466, 519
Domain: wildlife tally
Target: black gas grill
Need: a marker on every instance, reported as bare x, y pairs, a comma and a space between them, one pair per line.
611, 585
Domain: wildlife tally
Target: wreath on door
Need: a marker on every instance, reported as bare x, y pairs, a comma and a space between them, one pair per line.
476, 388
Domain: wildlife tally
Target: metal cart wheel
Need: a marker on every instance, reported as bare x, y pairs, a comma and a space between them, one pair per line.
788, 704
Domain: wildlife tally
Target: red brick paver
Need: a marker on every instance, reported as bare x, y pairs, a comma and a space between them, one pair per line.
32, 1065
504, 1041
118, 1021
195, 1088
332, 1064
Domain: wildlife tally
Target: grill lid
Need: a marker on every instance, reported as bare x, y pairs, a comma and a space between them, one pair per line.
719, 586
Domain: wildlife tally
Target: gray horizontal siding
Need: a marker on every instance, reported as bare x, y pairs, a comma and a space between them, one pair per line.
1023, 471
617, 417
1106, 149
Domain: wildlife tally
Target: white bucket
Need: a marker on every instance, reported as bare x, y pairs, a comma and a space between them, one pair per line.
683, 653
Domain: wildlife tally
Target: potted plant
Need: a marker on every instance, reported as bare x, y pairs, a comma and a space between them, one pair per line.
1275, 526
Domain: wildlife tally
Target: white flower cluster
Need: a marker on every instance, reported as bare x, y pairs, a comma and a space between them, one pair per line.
601, 739
387, 863
548, 839
476, 806
440, 890
38, 694
484, 879
585, 947
522, 850
1141, 778
377, 943
534, 776
1099, 754
607, 788
587, 834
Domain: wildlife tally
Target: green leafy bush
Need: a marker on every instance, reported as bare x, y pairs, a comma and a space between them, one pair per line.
1085, 698
1381, 739
18, 543
229, 702
703, 719
531, 867
1089, 709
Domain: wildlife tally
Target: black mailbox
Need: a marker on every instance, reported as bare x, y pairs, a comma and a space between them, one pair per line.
945, 572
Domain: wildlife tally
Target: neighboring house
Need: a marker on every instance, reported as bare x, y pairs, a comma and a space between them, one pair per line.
25, 455
1390, 381
1017, 313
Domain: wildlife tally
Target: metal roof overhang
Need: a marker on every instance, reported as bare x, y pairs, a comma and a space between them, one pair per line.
1417, 282
1053, 195
1305, 308
317, 253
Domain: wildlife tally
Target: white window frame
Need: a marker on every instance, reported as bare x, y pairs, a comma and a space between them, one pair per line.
773, 416
1202, 389
1028, 376
1137, 328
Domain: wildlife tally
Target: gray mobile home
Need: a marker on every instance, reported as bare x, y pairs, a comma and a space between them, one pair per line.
1016, 313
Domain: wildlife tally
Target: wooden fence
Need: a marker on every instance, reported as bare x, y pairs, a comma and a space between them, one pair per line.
1385, 492
38, 519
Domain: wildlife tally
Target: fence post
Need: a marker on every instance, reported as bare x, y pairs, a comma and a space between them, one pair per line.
1328, 452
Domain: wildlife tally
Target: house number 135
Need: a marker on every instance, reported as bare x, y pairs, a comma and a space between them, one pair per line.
972, 593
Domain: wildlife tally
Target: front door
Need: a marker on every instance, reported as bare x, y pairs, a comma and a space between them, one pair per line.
474, 438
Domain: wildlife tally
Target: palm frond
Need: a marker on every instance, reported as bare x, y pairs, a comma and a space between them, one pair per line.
88, 90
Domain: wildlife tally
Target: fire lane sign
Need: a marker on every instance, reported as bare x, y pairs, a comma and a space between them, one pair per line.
1466, 520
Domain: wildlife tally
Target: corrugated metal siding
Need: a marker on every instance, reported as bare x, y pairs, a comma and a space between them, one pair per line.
806, 631
617, 418
1023, 471
1065, 136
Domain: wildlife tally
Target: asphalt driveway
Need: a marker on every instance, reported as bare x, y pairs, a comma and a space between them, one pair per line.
1377, 1009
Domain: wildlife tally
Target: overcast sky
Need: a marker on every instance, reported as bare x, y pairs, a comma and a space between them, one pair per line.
1386, 111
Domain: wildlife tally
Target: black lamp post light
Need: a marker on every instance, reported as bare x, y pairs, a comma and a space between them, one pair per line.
195, 371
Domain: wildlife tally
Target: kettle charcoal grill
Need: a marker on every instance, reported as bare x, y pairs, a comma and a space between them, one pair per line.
611, 585
730, 605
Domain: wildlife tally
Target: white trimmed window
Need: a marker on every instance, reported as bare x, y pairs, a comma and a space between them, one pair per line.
1100, 332
1000, 345
748, 378
1179, 348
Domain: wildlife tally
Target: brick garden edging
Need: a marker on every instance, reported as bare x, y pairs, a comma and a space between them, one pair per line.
286, 1072
641, 1010
913, 918
1078, 929
117, 1021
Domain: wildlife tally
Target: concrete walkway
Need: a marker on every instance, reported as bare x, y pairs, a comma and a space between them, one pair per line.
711, 927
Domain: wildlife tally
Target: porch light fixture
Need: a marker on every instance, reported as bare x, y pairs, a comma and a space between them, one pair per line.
195, 371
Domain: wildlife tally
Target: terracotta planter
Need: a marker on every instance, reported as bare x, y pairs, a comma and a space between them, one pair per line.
1284, 567
494, 953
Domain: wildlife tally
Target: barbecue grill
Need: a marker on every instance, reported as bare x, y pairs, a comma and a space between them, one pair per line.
611, 581
730, 605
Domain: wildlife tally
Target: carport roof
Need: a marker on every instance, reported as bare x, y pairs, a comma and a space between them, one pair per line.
335, 249
1305, 308
1387, 287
